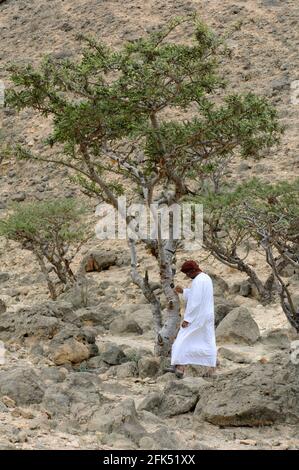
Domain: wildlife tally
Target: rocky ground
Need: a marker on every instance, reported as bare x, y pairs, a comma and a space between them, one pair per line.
85, 377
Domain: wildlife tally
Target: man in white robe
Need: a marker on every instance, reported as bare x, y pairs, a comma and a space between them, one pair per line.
195, 343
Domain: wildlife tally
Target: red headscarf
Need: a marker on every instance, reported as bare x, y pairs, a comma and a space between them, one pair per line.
189, 266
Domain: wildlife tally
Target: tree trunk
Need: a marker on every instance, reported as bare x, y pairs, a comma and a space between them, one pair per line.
168, 332
165, 333
44, 270
285, 297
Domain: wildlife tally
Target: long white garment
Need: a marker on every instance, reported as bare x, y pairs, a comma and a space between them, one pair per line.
196, 343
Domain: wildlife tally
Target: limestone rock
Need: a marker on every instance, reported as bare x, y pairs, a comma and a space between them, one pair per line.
124, 324
78, 396
178, 397
278, 339
24, 386
257, 395
148, 366
72, 351
234, 356
222, 308
220, 286
238, 326
98, 261
112, 354
122, 419
129, 369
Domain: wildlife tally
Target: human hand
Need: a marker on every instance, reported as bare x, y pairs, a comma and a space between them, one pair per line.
185, 324
178, 289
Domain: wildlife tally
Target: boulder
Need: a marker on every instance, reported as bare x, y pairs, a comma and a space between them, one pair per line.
234, 356
222, 308
123, 324
178, 397
257, 395
41, 320
278, 339
165, 439
238, 327
129, 369
72, 351
77, 396
95, 362
54, 374
98, 261
99, 315
23, 385
220, 286
148, 366
112, 354
141, 313
72, 345
121, 418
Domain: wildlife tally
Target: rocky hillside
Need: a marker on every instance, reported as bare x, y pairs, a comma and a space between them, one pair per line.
77, 376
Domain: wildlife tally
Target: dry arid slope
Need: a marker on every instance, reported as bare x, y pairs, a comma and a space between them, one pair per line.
263, 36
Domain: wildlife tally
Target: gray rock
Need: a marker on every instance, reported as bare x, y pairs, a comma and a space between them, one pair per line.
41, 320
19, 197
117, 441
245, 288
124, 324
78, 396
53, 374
112, 354
141, 313
257, 395
278, 339
101, 314
280, 85
222, 308
129, 369
220, 286
121, 419
239, 327
98, 261
178, 397
95, 362
234, 356
24, 386
166, 439
148, 443
148, 366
